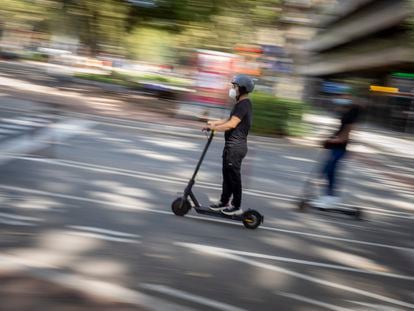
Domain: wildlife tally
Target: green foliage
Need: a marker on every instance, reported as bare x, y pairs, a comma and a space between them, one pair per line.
274, 116
173, 15
100, 25
37, 57
149, 44
150, 33
129, 80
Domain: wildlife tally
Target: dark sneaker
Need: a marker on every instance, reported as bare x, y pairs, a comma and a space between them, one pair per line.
218, 206
231, 210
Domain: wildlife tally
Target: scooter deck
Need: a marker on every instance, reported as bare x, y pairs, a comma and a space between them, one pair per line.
346, 211
206, 211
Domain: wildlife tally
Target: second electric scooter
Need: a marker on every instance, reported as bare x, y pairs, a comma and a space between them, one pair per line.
310, 193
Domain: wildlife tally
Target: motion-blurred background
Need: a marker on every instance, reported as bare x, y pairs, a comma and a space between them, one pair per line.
101, 106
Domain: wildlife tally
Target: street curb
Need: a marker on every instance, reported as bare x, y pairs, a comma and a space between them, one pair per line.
112, 87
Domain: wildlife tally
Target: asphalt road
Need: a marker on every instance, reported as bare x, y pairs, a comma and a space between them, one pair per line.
91, 212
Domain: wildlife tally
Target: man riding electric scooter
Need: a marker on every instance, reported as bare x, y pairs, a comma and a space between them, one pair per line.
235, 128
337, 145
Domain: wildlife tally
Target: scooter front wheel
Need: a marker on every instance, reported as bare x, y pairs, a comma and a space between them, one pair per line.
180, 206
252, 219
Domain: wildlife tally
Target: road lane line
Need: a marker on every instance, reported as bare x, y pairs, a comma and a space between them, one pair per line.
104, 231
258, 264
100, 202
18, 217
94, 288
190, 297
27, 143
313, 302
16, 222
6, 131
315, 235
102, 237
14, 127
307, 262
374, 306
205, 185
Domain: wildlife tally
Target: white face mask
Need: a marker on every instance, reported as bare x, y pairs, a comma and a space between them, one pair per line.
233, 93
342, 101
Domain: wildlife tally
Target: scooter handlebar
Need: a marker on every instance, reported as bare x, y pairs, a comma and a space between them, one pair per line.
207, 129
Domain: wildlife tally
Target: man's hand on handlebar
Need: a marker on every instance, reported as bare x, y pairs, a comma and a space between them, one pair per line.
210, 126
207, 128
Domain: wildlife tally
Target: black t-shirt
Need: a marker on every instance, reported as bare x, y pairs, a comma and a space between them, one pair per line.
237, 137
349, 117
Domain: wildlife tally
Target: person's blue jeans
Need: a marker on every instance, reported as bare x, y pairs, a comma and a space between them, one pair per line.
330, 169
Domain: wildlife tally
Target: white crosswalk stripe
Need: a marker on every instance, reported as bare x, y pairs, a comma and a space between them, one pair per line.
20, 122
12, 126
7, 131
18, 220
35, 119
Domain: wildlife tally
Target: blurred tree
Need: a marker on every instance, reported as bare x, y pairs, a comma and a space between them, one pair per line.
20, 13
100, 25
410, 22
172, 15
110, 25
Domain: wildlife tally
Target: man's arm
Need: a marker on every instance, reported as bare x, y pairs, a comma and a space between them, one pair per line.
227, 125
343, 136
217, 122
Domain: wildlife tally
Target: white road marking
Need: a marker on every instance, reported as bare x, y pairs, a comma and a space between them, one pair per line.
307, 263
190, 297
320, 236
104, 231
102, 237
21, 122
77, 198
35, 119
18, 217
104, 290
314, 302
14, 126
15, 222
6, 131
205, 185
374, 306
299, 159
28, 143
209, 250
167, 143
168, 129
315, 235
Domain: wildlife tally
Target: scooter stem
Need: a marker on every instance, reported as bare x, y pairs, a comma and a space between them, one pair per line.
210, 138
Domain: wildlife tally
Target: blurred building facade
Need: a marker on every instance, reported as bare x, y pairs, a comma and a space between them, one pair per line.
297, 25
367, 42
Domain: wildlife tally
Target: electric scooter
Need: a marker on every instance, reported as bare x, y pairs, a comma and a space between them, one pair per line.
310, 193
251, 218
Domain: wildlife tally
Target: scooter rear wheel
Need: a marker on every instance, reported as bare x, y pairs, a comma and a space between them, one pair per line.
303, 205
358, 214
252, 219
180, 206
